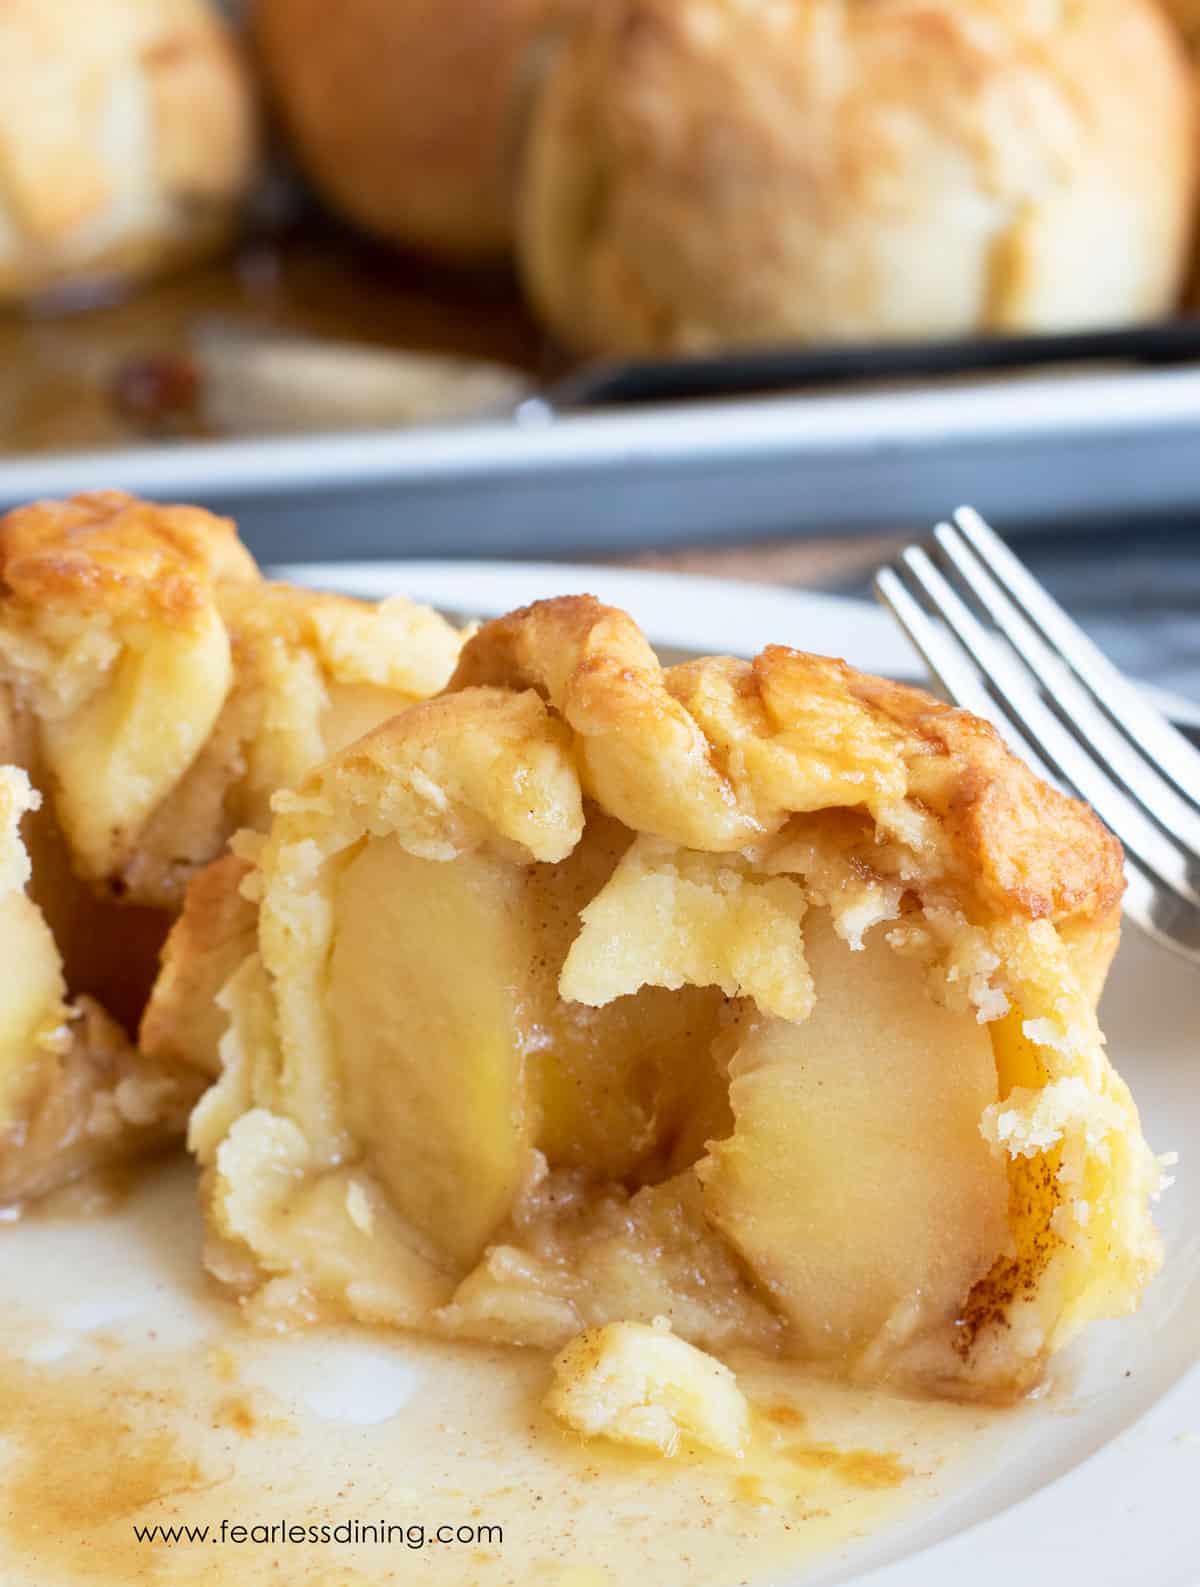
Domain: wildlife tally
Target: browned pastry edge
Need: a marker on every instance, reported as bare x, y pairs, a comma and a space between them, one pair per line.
107, 550
1022, 846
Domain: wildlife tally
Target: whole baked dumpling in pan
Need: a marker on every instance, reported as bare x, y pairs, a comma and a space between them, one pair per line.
707, 174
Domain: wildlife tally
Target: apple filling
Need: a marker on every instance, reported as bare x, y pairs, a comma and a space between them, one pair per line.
733, 1120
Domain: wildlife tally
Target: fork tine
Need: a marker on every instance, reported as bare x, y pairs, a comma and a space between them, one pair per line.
1161, 914
1074, 705
1121, 700
1009, 680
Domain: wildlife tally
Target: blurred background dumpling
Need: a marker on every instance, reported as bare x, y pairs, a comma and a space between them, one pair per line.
407, 114
128, 139
713, 172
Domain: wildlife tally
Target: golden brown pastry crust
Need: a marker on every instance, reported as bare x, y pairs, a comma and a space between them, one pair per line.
128, 140
704, 173
114, 648
269, 678
409, 117
1014, 844
806, 781
108, 552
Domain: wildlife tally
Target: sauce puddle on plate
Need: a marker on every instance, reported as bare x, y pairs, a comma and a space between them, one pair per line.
152, 1406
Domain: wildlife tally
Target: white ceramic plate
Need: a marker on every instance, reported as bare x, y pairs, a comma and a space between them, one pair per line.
1098, 1482
676, 610
687, 613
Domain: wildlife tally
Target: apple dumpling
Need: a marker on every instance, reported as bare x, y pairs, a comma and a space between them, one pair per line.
699, 177
758, 997
154, 692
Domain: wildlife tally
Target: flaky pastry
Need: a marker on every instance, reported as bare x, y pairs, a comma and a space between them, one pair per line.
638, 1384
756, 996
155, 692
704, 173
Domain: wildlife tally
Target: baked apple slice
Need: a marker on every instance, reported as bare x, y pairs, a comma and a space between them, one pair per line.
758, 997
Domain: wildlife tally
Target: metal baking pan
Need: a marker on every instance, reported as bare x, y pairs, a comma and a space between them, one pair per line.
757, 372
1032, 450
1039, 430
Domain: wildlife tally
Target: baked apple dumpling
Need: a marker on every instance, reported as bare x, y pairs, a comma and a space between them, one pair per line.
759, 997
154, 692
702, 174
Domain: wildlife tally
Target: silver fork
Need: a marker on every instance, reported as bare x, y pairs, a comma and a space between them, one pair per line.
1006, 650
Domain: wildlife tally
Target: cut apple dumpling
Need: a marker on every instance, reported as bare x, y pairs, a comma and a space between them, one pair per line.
154, 692
755, 997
